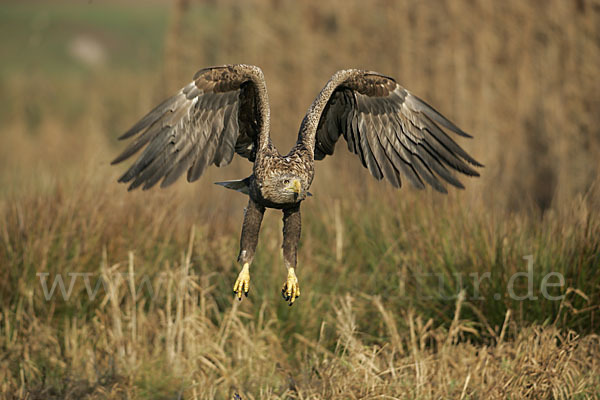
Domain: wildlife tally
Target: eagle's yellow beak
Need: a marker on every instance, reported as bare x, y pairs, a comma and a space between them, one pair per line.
295, 186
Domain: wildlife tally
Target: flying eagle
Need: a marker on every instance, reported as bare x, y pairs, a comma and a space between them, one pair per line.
225, 110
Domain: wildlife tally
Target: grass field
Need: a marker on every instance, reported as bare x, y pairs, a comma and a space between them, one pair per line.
488, 293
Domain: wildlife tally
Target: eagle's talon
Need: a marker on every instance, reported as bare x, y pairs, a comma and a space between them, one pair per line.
242, 283
290, 290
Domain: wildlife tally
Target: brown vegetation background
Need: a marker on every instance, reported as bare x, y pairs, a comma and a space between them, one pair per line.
520, 76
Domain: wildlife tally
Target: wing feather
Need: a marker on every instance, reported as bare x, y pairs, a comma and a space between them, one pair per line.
407, 169
365, 148
223, 111
392, 170
227, 138
394, 133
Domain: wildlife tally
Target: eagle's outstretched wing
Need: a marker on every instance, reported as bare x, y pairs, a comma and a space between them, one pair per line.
392, 131
222, 111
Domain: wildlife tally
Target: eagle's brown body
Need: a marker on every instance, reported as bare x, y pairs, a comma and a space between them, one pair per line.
225, 110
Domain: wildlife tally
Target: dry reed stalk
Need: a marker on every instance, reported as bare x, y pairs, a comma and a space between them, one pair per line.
174, 45
339, 232
390, 323
416, 355
504, 327
112, 297
132, 311
455, 326
170, 334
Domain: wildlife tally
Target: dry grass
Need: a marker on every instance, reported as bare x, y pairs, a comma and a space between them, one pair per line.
184, 343
520, 76
365, 326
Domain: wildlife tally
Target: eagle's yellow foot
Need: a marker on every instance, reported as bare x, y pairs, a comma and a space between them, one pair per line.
290, 290
242, 283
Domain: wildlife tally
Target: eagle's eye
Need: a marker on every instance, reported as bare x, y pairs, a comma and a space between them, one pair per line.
286, 181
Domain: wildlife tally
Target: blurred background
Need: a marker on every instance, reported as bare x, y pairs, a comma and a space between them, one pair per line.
521, 76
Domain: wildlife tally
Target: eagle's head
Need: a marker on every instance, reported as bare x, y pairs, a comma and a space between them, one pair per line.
284, 189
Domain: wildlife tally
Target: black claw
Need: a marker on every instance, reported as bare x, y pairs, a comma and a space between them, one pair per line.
246, 293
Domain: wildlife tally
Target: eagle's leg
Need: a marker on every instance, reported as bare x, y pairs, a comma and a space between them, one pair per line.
291, 235
253, 215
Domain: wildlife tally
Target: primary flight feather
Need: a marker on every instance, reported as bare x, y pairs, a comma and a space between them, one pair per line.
225, 110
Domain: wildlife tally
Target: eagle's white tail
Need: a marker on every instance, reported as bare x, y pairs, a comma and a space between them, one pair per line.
240, 185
